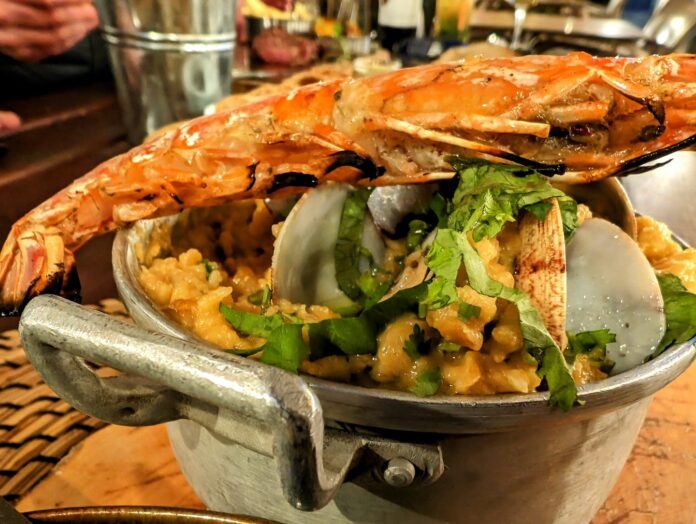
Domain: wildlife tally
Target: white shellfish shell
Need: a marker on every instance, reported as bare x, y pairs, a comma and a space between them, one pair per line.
611, 285
541, 269
303, 270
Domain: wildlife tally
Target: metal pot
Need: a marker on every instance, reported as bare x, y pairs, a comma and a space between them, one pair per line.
171, 60
253, 439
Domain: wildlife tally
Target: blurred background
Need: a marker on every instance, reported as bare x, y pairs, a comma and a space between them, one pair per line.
82, 81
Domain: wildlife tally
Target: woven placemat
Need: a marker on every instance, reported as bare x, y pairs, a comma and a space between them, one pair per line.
37, 428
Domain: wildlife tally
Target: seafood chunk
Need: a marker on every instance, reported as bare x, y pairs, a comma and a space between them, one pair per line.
303, 267
541, 269
612, 286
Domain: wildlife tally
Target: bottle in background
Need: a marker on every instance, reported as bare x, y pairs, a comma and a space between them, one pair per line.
398, 21
452, 19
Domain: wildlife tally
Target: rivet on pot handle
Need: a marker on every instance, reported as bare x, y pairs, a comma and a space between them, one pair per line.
167, 375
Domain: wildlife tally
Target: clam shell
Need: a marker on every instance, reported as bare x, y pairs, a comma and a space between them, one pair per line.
611, 285
389, 205
303, 270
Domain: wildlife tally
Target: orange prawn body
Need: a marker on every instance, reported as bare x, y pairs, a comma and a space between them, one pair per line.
575, 117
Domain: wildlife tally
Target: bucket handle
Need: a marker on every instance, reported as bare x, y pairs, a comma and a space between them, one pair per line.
164, 379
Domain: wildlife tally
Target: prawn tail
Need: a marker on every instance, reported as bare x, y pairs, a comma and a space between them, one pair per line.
35, 261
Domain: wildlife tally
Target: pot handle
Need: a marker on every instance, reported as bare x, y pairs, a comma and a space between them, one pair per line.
169, 379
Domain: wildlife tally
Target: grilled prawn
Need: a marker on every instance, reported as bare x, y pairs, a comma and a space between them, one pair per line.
576, 117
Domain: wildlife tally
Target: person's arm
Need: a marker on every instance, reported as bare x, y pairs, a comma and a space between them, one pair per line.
31, 30
9, 122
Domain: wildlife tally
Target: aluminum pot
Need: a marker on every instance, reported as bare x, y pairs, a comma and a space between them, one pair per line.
253, 439
171, 60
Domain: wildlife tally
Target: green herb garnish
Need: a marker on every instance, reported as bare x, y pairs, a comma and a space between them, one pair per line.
569, 216
440, 207
262, 297
487, 197
251, 324
417, 231
540, 209
358, 335
444, 259
413, 345
208, 267
468, 311
427, 383
284, 347
374, 284
594, 345
244, 352
448, 347
364, 288
491, 195
349, 336
536, 338
680, 312
349, 250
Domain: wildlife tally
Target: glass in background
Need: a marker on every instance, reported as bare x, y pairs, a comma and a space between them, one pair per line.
171, 60
351, 21
452, 19
521, 9
398, 21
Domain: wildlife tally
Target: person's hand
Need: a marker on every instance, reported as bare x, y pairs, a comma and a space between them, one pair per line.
9, 123
31, 30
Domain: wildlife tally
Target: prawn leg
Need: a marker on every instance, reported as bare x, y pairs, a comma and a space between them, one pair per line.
482, 123
499, 154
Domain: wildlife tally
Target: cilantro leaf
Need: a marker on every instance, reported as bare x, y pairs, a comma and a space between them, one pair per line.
448, 347
540, 209
285, 348
427, 383
374, 285
490, 195
358, 335
208, 268
401, 302
569, 216
350, 335
562, 388
586, 341
594, 345
251, 324
444, 259
440, 207
414, 343
364, 288
468, 311
680, 312
417, 230
244, 352
262, 297
349, 250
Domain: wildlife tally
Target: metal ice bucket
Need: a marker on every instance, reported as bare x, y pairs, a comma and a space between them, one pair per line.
256, 440
172, 59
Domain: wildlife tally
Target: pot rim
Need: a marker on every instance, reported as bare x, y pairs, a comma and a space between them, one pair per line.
402, 411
